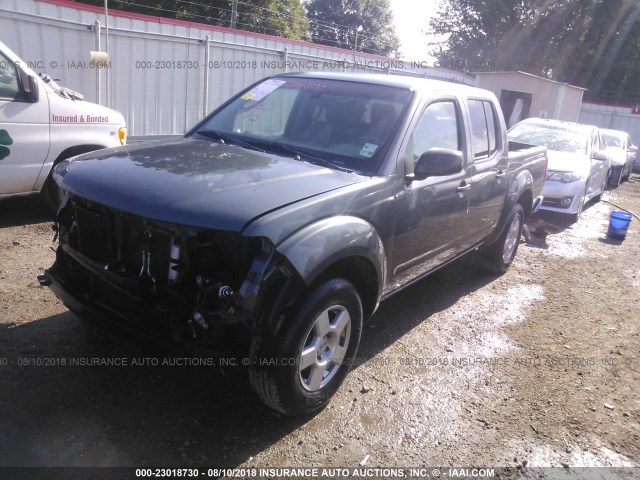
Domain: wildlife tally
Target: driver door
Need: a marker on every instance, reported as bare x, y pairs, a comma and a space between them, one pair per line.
431, 212
24, 132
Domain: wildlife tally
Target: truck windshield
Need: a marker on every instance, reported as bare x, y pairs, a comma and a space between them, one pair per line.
553, 138
340, 124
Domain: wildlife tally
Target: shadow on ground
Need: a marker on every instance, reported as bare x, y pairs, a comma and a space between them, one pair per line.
24, 211
57, 414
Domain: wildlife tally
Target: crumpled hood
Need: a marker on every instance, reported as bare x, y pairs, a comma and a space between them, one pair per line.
198, 183
568, 162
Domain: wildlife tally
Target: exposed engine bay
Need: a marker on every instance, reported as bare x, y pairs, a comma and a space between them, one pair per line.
174, 282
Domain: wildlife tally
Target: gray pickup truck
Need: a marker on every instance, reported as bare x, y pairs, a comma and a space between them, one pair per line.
287, 215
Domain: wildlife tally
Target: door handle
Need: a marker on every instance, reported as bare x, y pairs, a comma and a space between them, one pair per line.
463, 188
501, 174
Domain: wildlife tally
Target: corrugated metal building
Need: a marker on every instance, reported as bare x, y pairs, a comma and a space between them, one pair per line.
616, 117
163, 74
523, 95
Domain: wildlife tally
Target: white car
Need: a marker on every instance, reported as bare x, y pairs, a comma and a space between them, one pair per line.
622, 152
579, 167
42, 124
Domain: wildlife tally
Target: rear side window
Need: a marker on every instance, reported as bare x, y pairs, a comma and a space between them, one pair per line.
484, 133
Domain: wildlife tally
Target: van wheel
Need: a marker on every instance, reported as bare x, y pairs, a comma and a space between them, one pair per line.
298, 371
501, 253
52, 194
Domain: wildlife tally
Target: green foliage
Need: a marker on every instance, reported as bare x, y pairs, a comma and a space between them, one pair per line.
589, 43
283, 18
336, 23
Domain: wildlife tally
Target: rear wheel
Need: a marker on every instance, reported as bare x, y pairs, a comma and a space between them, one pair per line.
615, 182
298, 371
576, 216
503, 251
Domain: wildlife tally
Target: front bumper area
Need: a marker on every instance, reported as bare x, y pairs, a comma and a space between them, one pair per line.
161, 322
563, 197
129, 317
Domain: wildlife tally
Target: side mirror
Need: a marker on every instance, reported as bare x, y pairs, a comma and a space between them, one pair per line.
633, 149
602, 157
438, 162
30, 87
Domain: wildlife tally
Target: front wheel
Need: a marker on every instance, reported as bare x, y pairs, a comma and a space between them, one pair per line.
503, 251
298, 371
603, 187
52, 194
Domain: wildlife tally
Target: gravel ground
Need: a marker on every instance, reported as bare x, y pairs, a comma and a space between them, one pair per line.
538, 367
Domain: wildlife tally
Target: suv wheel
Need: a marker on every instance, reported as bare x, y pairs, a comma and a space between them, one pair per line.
299, 370
503, 251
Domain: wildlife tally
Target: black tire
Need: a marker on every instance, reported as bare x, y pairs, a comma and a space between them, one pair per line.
275, 361
52, 194
502, 252
615, 179
576, 216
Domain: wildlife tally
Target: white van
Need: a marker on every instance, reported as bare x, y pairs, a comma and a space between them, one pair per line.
41, 124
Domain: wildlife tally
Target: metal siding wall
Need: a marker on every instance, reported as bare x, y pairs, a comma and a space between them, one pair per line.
613, 117
166, 100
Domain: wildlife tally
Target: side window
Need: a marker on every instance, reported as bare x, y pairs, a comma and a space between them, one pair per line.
438, 128
491, 127
484, 133
9, 89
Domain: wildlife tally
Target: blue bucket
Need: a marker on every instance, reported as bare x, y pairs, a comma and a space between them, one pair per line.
618, 224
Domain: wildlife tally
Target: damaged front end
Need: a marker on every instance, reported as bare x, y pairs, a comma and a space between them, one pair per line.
177, 284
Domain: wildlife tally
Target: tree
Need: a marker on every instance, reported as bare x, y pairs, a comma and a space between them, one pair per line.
589, 43
283, 18
362, 25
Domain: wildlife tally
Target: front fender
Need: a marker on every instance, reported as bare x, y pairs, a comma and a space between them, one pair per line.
314, 248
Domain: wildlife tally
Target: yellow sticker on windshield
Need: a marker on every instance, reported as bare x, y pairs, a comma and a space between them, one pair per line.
368, 150
258, 92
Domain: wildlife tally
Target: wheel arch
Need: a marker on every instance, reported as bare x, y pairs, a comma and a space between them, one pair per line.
526, 201
361, 273
343, 246
65, 154
520, 192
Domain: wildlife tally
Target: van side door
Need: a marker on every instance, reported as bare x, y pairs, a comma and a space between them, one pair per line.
24, 130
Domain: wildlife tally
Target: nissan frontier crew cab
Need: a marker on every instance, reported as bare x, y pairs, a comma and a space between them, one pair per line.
287, 215
41, 124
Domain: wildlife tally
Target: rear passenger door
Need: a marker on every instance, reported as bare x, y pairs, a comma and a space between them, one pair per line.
488, 171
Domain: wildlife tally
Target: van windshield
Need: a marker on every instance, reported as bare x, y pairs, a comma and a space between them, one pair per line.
347, 125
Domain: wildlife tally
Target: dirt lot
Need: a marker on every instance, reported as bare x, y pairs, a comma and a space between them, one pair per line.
540, 366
